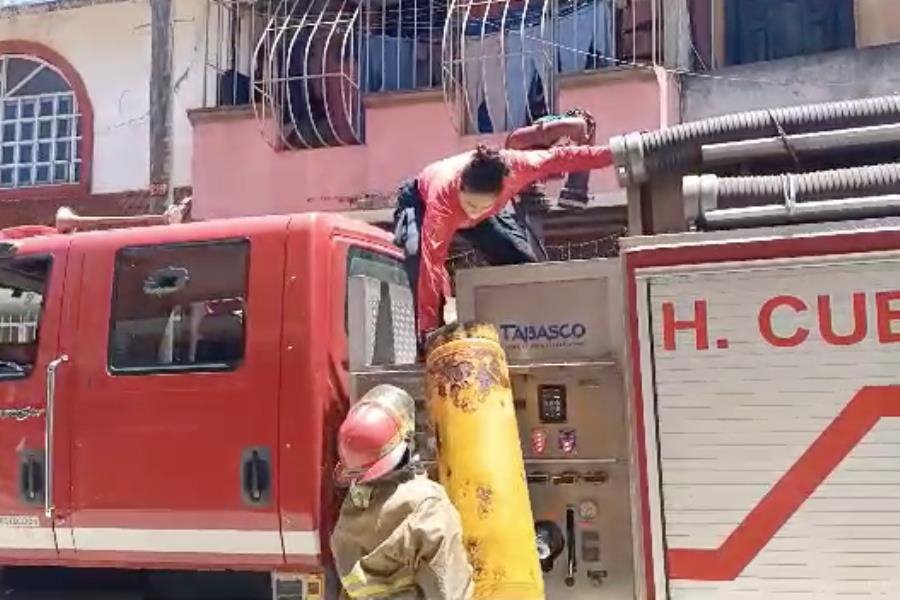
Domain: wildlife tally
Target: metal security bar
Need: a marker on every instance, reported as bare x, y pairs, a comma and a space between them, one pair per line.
307, 91
233, 28
402, 44
19, 328
319, 57
497, 63
305, 65
40, 125
500, 58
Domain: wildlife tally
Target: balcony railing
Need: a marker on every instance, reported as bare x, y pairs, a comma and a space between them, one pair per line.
305, 65
233, 29
402, 44
501, 58
307, 90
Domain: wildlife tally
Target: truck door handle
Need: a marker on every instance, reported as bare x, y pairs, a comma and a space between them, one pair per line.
256, 476
31, 480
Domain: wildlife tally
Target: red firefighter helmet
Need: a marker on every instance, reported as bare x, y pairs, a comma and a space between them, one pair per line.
376, 434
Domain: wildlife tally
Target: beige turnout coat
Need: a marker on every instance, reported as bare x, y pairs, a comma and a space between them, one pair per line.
405, 545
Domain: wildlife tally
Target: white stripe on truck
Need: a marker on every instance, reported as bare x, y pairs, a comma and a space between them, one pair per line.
200, 541
27, 538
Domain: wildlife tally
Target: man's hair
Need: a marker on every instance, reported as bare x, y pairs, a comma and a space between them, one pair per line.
485, 172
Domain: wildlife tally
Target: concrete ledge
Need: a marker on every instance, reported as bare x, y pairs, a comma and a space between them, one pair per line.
401, 97
218, 114
609, 75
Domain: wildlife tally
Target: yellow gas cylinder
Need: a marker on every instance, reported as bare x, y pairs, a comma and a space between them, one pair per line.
480, 459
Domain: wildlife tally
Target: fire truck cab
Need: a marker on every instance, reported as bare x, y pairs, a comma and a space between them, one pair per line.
168, 397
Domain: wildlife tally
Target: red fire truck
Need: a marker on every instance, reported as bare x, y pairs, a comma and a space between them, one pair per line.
170, 394
167, 401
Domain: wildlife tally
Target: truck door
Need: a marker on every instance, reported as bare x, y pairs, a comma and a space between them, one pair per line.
31, 293
174, 416
315, 389
371, 319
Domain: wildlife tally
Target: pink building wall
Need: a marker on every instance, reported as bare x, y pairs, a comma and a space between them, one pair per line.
236, 173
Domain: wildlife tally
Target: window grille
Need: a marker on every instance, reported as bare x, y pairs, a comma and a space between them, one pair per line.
40, 125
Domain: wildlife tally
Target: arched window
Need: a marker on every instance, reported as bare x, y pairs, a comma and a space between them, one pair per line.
41, 126
46, 125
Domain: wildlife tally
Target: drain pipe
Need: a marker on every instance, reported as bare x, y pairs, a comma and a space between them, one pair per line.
860, 192
639, 156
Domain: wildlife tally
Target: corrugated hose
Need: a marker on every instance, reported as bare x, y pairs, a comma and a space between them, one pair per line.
677, 147
820, 185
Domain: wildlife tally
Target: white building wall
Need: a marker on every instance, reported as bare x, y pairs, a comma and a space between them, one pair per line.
109, 45
189, 68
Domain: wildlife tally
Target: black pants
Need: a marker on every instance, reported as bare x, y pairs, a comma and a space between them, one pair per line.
501, 239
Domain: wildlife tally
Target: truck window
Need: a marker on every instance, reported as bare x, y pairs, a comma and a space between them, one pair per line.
179, 307
378, 310
22, 284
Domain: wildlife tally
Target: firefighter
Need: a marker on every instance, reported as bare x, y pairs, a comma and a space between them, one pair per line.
471, 191
398, 537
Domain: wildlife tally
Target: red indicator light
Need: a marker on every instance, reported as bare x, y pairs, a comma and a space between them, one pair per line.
538, 440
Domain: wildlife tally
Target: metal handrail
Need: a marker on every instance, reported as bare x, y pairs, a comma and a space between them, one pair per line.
48, 434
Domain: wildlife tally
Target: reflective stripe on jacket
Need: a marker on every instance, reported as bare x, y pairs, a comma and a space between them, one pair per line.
406, 545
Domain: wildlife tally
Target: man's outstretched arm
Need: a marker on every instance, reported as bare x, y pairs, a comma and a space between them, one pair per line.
527, 166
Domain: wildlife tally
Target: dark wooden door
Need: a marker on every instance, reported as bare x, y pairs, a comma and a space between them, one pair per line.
759, 30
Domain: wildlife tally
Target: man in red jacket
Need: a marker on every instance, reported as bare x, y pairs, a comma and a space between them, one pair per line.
462, 191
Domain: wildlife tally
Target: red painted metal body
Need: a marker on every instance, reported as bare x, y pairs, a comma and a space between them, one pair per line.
146, 468
865, 407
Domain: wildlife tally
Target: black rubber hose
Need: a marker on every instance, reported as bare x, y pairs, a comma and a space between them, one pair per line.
677, 147
871, 180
